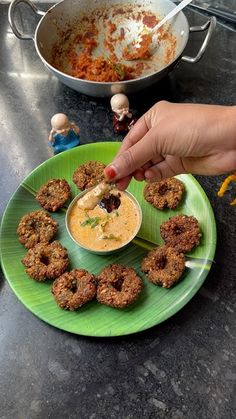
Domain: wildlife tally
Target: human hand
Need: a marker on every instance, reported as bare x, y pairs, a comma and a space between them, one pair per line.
50, 137
171, 139
122, 113
75, 128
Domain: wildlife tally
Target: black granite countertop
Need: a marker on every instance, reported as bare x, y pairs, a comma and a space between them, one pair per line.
183, 368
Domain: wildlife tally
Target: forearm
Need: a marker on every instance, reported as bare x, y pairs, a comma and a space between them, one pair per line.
227, 139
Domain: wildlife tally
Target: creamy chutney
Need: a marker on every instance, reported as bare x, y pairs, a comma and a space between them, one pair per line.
99, 230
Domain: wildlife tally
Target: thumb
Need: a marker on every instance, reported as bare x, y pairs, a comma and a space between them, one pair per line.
134, 157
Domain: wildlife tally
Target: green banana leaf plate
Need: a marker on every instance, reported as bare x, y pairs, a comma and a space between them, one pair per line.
155, 304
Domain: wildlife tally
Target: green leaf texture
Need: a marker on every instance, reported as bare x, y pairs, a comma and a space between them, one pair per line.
155, 304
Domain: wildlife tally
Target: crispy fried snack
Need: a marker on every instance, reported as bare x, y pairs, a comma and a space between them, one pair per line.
164, 194
74, 289
36, 227
88, 174
46, 261
54, 194
118, 286
163, 266
181, 232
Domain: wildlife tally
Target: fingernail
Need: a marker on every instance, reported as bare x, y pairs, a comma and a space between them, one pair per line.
110, 172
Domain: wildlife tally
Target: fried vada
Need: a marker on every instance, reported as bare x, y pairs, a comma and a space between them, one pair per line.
118, 286
181, 232
74, 289
36, 227
164, 194
163, 266
89, 174
54, 194
46, 261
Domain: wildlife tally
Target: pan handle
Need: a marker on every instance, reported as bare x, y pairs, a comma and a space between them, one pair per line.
11, 16
210, 25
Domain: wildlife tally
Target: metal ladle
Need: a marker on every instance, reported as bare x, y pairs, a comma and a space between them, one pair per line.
137, 44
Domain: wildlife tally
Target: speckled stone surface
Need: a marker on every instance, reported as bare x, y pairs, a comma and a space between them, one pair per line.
182, 369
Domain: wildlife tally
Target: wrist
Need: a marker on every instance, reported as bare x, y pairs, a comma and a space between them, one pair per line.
230, 124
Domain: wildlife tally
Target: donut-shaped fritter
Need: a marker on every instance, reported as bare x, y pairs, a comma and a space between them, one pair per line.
88, 174
45, 261
54, 194
36, 227
118, 286
181, 232
163, 266
74, 289
164, 194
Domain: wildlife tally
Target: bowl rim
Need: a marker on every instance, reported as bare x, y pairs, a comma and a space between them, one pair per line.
107, 251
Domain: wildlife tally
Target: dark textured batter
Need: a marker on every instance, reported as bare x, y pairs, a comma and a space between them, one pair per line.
181, 232
89, 174
46, 261
36, 227
163, 266
54, 194
164, 194
110, 202
118, 286
74, 289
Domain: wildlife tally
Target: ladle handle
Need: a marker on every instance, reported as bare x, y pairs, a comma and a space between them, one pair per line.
11, 17
173, 12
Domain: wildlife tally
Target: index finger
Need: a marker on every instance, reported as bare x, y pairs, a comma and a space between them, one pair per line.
138, 131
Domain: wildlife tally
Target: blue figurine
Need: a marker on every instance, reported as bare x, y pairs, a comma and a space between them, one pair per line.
64, 134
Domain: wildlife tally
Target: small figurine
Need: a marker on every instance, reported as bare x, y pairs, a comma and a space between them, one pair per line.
122, 118
64, 134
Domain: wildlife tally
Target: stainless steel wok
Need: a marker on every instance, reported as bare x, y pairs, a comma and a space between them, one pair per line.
63, 15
